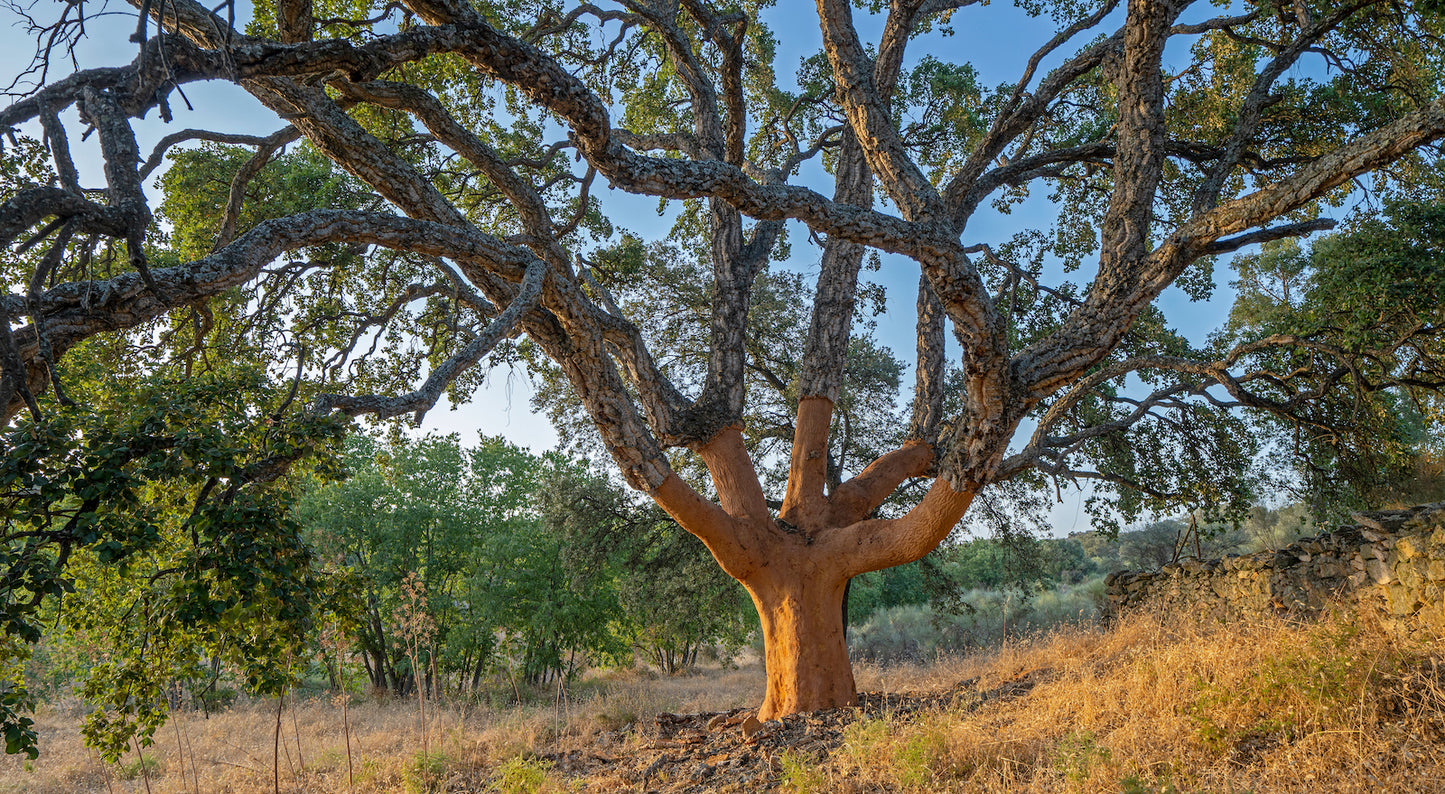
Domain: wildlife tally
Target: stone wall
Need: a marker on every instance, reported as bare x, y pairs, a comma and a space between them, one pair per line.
1394, 560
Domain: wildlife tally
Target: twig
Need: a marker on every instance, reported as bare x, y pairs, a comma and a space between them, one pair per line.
144, 773
181, 752
238, 766
276, 749
295, 728
195, 774
346, 724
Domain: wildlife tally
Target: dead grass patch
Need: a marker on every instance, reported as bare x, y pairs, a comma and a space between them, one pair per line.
1156, 705
472, 746
1151, 705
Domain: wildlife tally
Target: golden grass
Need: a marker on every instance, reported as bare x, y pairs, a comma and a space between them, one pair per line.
1150, 705
232, 751
1172, 705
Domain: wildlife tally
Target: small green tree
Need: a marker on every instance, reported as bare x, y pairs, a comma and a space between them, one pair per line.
674, 600
463, 526
158, 525
401, 511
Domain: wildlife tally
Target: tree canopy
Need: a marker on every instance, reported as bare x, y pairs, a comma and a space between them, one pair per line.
1364, 312
431, 203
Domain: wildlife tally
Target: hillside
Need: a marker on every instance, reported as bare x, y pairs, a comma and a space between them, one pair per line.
1153, 704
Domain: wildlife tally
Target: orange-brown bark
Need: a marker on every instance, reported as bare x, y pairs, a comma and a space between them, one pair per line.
735, 532
797, 580
875, 544
730, 545
858, 497
806, 655
804, 502
734, 476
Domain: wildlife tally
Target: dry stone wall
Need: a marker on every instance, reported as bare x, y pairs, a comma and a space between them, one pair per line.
1392, 560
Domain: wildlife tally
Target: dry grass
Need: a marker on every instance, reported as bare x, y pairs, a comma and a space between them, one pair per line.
1151, 705
232, 752
1168, 705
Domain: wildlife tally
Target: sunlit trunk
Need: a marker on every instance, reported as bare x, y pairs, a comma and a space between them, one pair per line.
805, 649
796, 564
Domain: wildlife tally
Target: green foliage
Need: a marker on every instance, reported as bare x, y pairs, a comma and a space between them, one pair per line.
143, 766
862, 739
1076, 753
521, 775
919, 633
1137, 785
1366, 301
531, 566
468, 526
674, 599
919, 756
150, 518
914, 755
197, 187
296, 316
1158, 543
942, 110
1020, 564
891, 587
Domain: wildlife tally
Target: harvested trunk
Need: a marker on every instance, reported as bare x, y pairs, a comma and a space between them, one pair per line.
806, 652
796, 566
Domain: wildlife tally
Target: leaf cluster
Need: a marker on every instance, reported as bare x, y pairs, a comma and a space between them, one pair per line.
154, 524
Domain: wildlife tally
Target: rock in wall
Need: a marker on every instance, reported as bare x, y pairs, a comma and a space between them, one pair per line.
1393, 560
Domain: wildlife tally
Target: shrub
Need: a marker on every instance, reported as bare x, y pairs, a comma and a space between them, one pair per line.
425, 772
521, 775
919, 633
142, 766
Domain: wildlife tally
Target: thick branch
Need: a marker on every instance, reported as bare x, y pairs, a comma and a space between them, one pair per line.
877, 543
804, 504
855, 499
929, 374
870, 118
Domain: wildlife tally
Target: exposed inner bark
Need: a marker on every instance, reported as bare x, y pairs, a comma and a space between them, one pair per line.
804, 503
806, 653
796, 567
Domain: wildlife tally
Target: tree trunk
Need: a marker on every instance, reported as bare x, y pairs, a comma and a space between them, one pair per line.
805, 650
796, 566
477, 673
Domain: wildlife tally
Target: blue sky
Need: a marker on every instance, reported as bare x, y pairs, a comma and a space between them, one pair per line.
997, 39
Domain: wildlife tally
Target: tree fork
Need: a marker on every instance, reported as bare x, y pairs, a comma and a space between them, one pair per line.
797, 574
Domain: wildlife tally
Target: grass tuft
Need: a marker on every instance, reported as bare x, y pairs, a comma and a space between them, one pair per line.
521, 775
801, 774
